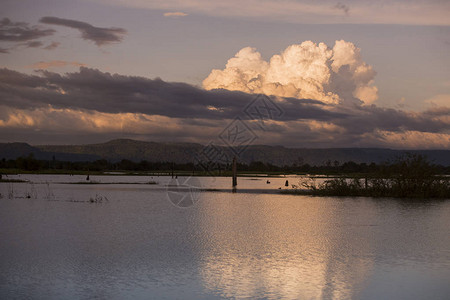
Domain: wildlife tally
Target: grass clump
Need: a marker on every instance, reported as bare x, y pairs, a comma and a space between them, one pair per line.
411, 176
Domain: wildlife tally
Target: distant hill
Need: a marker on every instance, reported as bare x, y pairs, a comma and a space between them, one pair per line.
116, 150
133, 150
15, 150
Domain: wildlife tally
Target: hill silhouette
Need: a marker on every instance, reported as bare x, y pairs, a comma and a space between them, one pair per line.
134, 150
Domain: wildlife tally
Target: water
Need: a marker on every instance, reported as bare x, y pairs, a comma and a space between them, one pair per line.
135, 244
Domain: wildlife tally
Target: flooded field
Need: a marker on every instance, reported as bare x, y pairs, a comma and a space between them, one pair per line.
123, 238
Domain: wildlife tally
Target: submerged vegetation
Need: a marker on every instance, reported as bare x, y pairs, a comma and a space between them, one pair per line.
411, 176
98, 199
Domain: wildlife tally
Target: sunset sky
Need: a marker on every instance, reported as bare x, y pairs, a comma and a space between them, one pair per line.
342, 73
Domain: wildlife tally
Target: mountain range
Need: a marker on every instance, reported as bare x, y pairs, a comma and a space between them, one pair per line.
133, 150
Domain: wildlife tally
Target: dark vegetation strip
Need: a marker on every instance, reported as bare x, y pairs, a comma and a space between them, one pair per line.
29, 164
411, 176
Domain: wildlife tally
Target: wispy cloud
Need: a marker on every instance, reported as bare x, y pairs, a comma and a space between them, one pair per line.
43, 65
411, 12
441, 100
344, 8
100, 36
52, 46
34, 44
21, 34
21, 31
175, 14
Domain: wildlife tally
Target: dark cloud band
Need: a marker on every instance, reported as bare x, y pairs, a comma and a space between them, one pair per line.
93, 90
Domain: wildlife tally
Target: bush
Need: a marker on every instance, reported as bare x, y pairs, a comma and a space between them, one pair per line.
411, 176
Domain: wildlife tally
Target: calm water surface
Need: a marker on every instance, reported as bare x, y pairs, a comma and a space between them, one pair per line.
138, 245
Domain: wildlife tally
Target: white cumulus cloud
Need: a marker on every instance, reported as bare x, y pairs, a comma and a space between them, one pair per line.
307, 70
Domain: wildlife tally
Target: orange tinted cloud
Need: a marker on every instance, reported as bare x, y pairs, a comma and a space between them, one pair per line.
307, 70
175, 14
410, 139
441, 100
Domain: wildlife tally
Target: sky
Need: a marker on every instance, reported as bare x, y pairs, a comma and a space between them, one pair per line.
336, 73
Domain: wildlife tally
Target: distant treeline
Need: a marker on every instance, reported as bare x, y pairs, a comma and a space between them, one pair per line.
29, 163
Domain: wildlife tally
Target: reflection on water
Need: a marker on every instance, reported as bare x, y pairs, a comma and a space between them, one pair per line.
243, 246
288, 248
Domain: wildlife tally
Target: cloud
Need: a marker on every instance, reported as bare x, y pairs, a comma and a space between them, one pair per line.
307, 70
30, 44
33, 44
441, 100
409, 139
100, 36
21, 31
94, 90
89, 102
342, 7
175, 14
44, 65
50, 125
22, 34
408, 12
71, 119
52, 46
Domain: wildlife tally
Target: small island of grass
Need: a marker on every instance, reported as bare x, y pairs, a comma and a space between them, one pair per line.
411, 176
